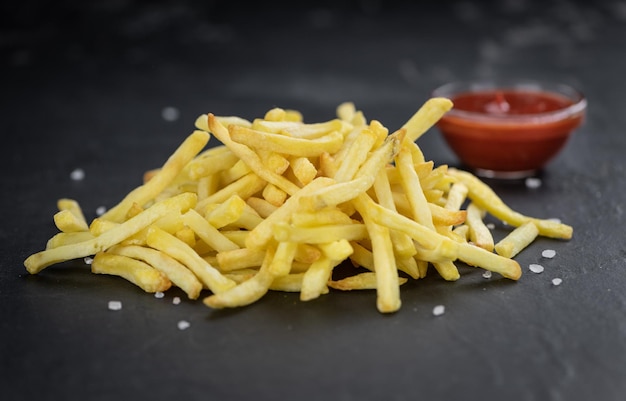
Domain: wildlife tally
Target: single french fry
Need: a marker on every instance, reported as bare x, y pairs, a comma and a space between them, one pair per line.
517, 240
190, 147
208, 233
176, 272
78, 223
425, 117
361, 281
479, 233
282, 143
62, 238
137, 272
317, 235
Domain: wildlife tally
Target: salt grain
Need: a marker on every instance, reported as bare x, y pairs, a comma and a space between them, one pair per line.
176, 300
439, 310
490, 226
556, 281
159, 294
548, 253
170, 114
535, 268
77, 174
88, 260
487, 274
100, 210
532, 182
183, 324
115, 305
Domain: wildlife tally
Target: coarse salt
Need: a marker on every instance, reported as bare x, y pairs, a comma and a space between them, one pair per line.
487, 274
535, 268
170, 113
100, 210
532, 182
439, 310
88, 260
183, 324
556, 281
159, 294
548, 253
77, 174
115, 305
490, 226
176, 300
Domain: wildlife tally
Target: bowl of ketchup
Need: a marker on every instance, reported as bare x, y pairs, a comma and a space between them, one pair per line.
509, 129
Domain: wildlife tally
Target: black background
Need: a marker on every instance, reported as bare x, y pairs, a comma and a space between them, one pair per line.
83, 85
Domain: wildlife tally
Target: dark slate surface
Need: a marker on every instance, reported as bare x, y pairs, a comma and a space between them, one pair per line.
83, 84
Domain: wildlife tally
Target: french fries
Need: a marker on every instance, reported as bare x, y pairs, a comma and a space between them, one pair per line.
281, 203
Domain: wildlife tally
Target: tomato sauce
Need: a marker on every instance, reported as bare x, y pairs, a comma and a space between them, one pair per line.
508, 130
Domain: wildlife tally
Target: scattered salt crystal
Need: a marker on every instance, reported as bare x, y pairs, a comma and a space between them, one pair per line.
115, 305
487, 274
88, 260
183, 324
100, 210
532, 182
170, 113
176, 300
556, 281
554, 220
159, 294
439, 310
548, 253
490, 226
535, 268
77, 174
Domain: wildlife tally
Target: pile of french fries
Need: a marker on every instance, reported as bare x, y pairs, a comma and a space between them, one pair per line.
280, 203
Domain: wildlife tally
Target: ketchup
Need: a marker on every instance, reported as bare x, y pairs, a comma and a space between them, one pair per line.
508, 129
510, 102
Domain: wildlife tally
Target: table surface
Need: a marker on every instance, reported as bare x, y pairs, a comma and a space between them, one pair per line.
85, 86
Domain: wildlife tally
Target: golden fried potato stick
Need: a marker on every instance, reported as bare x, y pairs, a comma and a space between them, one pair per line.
517, 240
481, 194
412, 188
207, 164
355, 156
284, 231
39, 261
387, 288
283, 258
208, 233
207, 274
238, 259
62, 238
190, 147
137, 272
297, 129
68, 222
244, 187
479, 234
246, 292
250, 157
70, 217
316, 277
456, 196
425, 117
202, 122
303, 169
292, 282
286, 144
175, 271
360, 281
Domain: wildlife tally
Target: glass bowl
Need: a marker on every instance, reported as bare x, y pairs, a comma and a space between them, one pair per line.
509, 129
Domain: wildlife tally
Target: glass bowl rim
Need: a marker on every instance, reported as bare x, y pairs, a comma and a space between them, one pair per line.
578, 98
